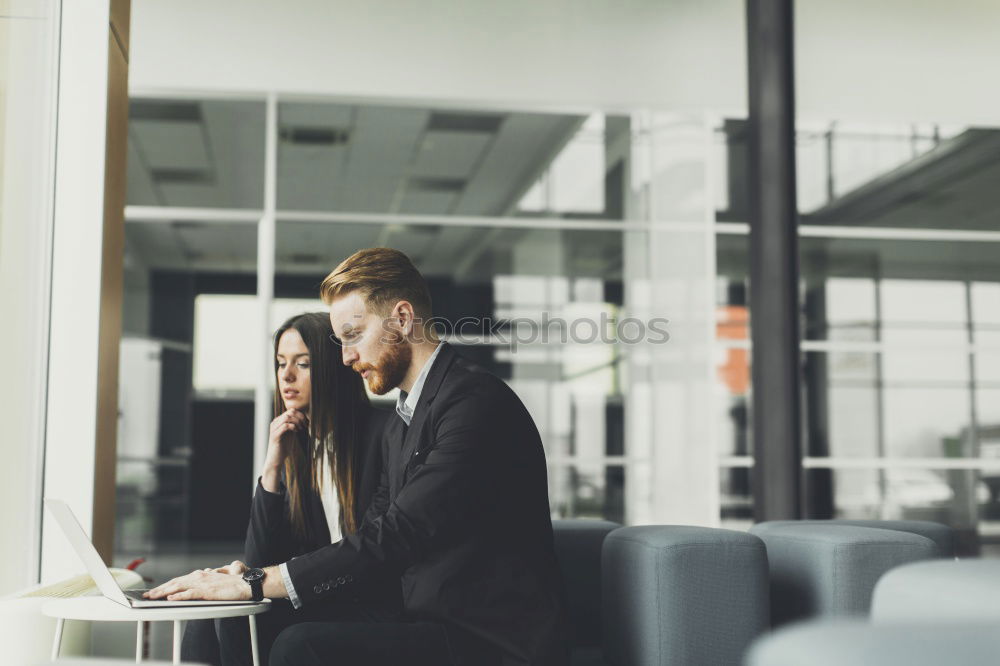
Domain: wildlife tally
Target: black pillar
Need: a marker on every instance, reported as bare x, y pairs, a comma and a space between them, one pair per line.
818, 491
774, 270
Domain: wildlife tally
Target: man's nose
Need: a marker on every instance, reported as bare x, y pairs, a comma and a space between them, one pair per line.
350, 356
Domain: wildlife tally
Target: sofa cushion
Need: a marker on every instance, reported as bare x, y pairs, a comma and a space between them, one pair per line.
682, 595
942, 535
846, 642
831, 570
578, 549
939, 591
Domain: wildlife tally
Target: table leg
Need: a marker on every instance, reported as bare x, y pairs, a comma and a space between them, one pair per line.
253, 639
178, 631
138, 641
58, 639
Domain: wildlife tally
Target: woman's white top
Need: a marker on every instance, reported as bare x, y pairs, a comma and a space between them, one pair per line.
331, 504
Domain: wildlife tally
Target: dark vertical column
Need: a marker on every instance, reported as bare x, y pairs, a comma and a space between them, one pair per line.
774, 270
818, 492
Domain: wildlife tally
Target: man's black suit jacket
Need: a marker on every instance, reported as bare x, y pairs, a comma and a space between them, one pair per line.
462, 516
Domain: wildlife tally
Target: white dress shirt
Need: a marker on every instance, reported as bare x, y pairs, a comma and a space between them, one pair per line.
406, 403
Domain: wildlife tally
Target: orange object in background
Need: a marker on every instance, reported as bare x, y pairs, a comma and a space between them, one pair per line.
732, 322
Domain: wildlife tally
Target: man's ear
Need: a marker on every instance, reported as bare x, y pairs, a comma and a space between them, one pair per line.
404, 317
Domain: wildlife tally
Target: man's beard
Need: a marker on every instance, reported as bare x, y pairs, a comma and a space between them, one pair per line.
389, 370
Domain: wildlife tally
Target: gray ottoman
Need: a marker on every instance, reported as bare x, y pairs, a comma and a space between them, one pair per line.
845, 642
682, 595
831, 570
942, 535
578, 549
939, 591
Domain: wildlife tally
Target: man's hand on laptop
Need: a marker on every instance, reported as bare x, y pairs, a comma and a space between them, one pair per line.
222, 584
235, 568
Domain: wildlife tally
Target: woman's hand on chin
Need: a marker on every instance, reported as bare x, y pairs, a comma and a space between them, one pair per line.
279, 439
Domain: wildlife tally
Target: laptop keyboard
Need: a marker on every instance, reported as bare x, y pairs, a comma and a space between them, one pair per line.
137, 594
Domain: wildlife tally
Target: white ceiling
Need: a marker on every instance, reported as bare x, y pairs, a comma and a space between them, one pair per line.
383, 160
348, 159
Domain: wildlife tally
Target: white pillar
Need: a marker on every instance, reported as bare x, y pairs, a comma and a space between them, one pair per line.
87, 275
672, 387
263, 398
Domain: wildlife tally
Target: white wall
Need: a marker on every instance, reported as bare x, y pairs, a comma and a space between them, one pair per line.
601, 53
892, 60
898, 60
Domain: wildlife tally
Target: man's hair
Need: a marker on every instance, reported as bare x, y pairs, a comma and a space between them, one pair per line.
383, 276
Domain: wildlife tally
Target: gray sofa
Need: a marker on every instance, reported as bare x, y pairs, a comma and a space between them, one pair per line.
664, 595
830, 570
645, 596
849, 642
934, 611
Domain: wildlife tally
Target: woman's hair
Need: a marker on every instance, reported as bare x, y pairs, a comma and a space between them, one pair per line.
336, 421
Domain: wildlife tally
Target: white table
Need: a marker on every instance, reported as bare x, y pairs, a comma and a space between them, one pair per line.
100, 609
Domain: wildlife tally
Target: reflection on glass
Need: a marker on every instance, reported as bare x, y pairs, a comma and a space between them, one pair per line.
962, 499
171, 435
574, 180
587, 491
850, 174
541, 308
196, 153
735, 498
909, 293
897, 404
428, 161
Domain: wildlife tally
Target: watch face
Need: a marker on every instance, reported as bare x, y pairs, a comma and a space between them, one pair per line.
253, 574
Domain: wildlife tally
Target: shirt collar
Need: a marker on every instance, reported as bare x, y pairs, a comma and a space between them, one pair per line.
406, 403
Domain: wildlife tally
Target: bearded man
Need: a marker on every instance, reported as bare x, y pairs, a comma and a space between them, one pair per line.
461, 516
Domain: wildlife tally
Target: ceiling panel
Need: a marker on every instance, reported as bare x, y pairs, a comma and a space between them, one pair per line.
155, 246
525, 144
141, 190
421, 202
190, 195
172, 144
449, 154
315, 115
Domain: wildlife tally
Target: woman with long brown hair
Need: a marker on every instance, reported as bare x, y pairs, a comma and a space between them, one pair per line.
319, 476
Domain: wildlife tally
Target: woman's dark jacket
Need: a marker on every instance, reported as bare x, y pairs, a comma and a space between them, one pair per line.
271, 538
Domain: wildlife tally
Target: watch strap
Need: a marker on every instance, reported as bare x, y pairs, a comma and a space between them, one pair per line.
255, 578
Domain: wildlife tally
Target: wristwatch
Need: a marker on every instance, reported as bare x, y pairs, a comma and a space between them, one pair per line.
255, 578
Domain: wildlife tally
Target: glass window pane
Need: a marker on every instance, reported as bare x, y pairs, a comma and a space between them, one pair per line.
540, 308
186, 386
879, 175
430, 161
196, 153
897, 404
958, 498
910, 293
587, 491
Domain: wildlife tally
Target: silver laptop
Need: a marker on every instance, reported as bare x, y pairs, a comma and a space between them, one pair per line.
106, 583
